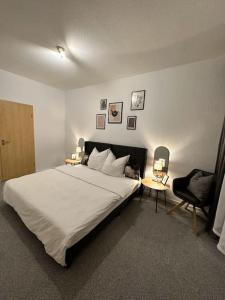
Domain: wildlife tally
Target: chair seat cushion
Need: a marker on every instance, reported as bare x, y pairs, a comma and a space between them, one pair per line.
188, 196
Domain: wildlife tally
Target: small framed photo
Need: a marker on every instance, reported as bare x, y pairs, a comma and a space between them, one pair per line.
137, 100
100, 121
131, 122
103, 104
165, 178
115, 112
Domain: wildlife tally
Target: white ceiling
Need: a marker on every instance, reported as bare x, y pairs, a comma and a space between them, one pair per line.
106, 39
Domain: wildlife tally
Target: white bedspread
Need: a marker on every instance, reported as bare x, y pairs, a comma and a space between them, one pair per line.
61, 205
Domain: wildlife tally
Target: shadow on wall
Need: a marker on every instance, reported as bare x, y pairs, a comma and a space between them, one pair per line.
73, 139
183, 144
181, 159
179, 53
183, 153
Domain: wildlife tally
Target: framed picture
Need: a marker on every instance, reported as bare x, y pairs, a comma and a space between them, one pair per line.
131, 122
138, 100
165, 178
103, 104
115, 112
100, 121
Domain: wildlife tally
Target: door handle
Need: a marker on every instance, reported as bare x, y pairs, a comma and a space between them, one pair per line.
4, 142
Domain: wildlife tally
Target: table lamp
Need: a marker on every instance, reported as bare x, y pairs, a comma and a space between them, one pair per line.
78, 151
163, 162
158, 168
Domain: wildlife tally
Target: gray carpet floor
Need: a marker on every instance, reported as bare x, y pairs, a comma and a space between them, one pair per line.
138, 255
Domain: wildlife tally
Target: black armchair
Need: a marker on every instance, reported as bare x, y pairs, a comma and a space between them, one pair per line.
181, 191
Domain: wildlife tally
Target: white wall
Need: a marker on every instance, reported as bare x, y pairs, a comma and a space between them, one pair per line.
184, 108
49, 115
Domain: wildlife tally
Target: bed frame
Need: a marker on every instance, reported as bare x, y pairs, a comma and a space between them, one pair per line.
137, 156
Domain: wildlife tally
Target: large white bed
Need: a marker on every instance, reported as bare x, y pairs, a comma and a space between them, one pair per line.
62, 205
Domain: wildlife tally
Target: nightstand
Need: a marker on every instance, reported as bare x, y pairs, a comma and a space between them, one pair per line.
72, 162
157, 186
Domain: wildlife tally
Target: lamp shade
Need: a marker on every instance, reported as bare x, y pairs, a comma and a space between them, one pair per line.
158, 165
78, 149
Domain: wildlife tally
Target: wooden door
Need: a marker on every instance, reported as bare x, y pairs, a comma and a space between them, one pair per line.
17, 155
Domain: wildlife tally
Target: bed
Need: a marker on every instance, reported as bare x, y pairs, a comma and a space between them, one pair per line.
62, 206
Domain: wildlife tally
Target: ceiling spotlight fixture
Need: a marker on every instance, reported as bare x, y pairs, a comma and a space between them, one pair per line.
61, 51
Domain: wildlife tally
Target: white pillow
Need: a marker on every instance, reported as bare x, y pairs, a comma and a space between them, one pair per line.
115, 167
97, 159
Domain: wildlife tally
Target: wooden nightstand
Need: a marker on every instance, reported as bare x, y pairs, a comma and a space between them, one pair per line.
157, 186
72, 162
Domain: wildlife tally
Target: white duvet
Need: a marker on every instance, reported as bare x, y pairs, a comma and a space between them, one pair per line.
62, 205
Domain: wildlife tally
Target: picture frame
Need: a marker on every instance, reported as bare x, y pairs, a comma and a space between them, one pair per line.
103, 104
131, 122
137, 100
165, 179
100, 121
115, 113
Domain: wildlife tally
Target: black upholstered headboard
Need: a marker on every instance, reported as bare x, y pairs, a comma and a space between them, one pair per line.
137, 155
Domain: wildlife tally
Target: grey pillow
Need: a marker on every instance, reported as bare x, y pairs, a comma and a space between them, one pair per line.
200, 185
84, 160
132, 171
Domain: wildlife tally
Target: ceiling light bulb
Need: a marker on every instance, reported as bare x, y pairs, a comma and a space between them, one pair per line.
61, 51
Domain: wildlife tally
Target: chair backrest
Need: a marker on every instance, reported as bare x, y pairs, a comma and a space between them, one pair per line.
194, 171
212, 188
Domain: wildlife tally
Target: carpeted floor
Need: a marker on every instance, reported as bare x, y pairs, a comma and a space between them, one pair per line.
138, 255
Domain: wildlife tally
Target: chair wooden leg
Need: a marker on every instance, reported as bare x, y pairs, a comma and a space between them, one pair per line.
175, 207
194, 224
